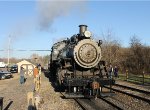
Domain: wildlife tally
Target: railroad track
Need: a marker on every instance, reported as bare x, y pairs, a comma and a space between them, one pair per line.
81, 105
87, 104
131, 94
133, 89
98, 104
111, 103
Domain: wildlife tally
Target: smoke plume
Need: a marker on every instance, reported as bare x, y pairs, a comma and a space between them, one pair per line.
47, 13
51, 10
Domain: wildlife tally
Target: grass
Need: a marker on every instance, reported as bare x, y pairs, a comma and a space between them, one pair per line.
135, 78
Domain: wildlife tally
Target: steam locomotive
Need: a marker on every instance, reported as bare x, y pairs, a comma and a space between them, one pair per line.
76, 65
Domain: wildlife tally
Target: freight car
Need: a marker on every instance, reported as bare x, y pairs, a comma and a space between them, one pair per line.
76, 65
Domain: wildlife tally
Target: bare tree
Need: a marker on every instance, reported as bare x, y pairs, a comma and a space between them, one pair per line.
110, 48
39, 59
137, 59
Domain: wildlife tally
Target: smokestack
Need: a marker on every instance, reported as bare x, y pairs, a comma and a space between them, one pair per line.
82, 29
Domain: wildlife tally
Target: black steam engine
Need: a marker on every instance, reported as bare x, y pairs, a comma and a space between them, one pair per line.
77, 67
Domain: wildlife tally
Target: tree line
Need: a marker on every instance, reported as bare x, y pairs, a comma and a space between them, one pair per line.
135, 58
34, 58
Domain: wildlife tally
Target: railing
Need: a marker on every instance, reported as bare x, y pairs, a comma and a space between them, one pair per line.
142, 78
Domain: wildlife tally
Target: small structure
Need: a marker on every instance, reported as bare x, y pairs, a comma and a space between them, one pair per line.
27, 66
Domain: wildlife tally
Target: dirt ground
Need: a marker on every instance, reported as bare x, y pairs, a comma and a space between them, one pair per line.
15, 95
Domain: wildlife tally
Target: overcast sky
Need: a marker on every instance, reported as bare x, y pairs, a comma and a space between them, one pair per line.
36, 25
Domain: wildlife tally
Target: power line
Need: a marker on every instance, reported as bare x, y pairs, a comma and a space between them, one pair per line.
25, 50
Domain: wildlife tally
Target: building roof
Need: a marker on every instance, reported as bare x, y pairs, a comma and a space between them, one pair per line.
25, 61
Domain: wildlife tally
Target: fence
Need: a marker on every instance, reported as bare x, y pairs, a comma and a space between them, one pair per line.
142, 78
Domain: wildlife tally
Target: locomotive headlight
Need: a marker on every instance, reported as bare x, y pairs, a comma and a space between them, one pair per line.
87, 34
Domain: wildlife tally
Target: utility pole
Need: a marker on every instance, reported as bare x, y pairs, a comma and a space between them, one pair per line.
109, 38
8, 50
36, 60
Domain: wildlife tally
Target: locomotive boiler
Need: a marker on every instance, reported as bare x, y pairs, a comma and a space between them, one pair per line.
76, 65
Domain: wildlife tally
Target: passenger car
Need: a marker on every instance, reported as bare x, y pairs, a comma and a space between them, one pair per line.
5, 74
14, 69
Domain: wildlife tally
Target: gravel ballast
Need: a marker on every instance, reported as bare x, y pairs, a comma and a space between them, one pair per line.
15, 95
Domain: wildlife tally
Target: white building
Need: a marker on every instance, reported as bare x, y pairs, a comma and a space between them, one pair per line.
28, 66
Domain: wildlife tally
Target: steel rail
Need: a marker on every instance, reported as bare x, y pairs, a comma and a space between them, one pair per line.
78, 102
134, 89
112, 104
81, 105
132, 95
88, 104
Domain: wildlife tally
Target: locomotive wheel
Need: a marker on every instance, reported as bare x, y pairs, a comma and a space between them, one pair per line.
59, 76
